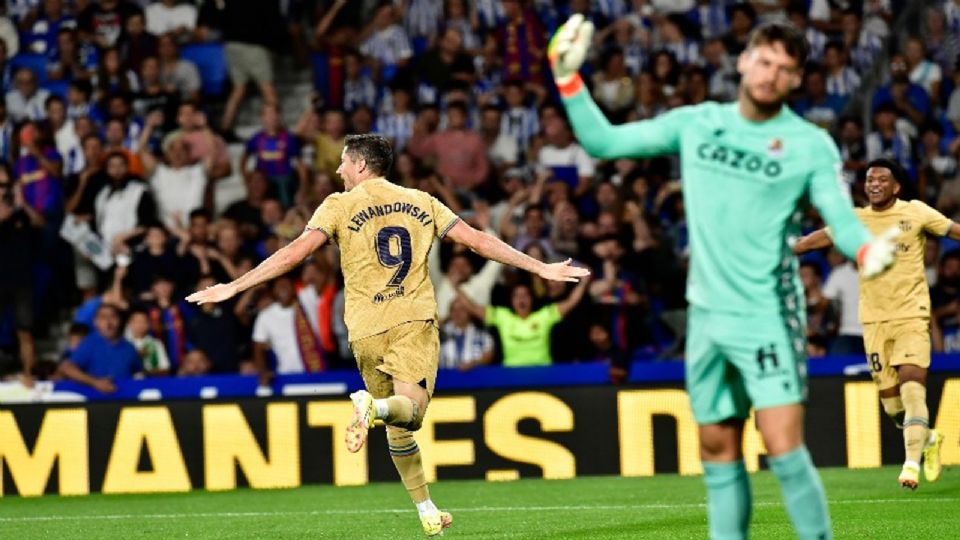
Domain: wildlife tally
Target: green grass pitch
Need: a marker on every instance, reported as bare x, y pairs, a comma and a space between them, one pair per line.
864, 504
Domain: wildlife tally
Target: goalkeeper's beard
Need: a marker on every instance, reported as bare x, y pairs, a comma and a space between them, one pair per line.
767, 109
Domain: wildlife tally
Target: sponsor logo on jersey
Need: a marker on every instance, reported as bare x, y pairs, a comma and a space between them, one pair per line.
740, 160
775, 148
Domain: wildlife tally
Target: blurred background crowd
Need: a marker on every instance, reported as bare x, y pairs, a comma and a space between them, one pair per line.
153, 148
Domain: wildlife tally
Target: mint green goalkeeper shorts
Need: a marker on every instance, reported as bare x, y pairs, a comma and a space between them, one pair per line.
735, 362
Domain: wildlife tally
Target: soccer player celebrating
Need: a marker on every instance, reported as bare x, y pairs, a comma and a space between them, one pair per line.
385, 233
746, 167
895, 312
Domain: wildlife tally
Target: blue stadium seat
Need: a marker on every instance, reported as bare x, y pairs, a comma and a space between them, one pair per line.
37, 63
57, 88
320, 63
211, 61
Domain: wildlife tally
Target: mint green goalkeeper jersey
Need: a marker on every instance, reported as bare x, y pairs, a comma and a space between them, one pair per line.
744, 186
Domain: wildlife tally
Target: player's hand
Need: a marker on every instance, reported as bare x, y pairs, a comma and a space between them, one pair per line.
568, 48
878, 254
563, 271
214, 293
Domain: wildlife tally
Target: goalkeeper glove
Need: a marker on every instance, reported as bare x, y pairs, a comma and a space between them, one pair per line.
566, 52
877, 255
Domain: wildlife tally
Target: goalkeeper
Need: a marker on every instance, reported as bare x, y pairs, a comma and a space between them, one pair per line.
747, 167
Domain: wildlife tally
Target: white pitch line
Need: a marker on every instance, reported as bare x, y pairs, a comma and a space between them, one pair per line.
333, 512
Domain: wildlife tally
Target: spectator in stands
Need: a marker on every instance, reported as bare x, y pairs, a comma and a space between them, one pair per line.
459, 153
172, 17
522, 43
153, 354
936, 163
78, 99
112, 77
911, 99
168, 317
26, 100
102, 22
798, 13
942, 44
672, 32
385, 42
842, 80
358, 86
743, 17
721, 72
39, 172
816, 105
80, 191
177, 185
464, 345
397, 123
525, 333
16, 274
214, 331
246, 212
276, 153
155, 94
456, 15
124, 205
923, 72
445, 66
230, 253
136, 43
945, 300
519, 120
566, 160
863, 46
853, 149
193, 128
74, 61
620, 291
177, 72
104, 356
249, 35
40, 34
153, 254
195, 364
317, 296
502, 149
283, 327
821, 317
890, 139
327, 141
613, 88
843, 289
65, 135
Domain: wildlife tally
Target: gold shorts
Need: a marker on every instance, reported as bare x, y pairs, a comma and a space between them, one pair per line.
409, 352
894, 343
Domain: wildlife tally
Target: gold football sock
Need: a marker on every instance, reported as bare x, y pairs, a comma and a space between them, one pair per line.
917, 419
400, 410
406, 458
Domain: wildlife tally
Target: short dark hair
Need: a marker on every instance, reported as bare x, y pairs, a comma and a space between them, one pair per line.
898, 172
201, 213
793, 41
375, 150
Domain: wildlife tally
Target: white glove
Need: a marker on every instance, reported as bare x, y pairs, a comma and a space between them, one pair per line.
568, 48
877, 255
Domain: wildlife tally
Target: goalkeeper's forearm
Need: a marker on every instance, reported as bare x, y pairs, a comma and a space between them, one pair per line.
497, 250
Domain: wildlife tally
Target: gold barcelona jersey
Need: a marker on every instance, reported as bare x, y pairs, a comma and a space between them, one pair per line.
901, 292
385, 233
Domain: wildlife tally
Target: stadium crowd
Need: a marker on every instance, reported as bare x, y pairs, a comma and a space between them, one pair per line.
113, 146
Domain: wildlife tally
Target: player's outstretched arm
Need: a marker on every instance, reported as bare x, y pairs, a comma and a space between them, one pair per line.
566, 52
281, 262
816, 240
495, 249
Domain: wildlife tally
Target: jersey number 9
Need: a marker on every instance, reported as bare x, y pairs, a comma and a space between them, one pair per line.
402, 259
